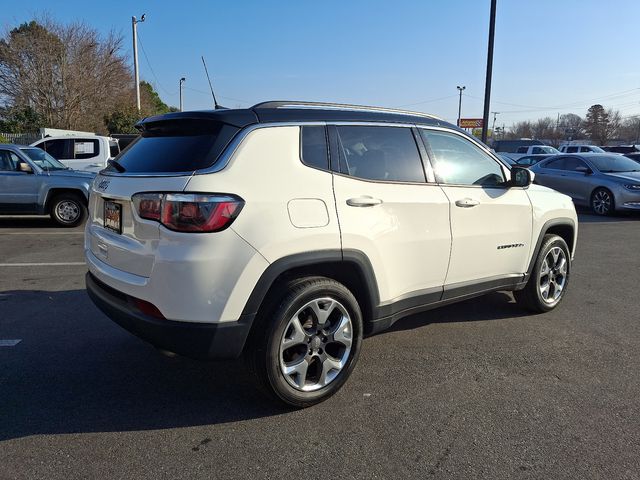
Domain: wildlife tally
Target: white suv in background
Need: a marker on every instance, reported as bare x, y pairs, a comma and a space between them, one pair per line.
287, 231
84, 152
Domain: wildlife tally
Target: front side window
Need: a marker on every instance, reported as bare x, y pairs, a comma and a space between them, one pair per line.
572, 150
43, 159
86, 148
380, 153
313, 146
6, 164
458, 161
572, 163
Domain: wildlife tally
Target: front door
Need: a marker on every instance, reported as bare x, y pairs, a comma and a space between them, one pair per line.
490, 222
388, 212
18, 190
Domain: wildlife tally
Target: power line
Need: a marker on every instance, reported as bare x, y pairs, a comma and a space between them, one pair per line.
144, 52
426, 101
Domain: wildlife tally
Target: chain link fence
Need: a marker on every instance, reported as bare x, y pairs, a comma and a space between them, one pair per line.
21, 138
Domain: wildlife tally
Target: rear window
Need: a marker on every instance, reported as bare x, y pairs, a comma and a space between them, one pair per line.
176, 146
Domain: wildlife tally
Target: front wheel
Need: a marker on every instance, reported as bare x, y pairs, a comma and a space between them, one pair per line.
602, 202
305, 347
549, 279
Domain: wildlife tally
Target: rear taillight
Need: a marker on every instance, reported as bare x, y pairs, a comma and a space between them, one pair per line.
189, 212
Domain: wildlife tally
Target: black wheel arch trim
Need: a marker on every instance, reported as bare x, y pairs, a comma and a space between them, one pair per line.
283, 265
555, 222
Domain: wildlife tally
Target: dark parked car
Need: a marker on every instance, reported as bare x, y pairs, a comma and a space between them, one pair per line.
633, 156
32, 182
511, 146
606, 182
623, 149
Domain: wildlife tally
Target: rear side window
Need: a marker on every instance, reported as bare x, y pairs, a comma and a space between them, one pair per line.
176, 146
313, 141
572, 150
557, 164
86, 148
380, 153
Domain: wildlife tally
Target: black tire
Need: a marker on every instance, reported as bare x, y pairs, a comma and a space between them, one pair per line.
531, 297
602, 202
68, 209
273, 322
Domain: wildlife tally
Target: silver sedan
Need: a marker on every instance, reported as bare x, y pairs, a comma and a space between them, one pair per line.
604, 182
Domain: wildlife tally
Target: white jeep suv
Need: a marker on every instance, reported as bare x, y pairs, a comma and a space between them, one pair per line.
287, 231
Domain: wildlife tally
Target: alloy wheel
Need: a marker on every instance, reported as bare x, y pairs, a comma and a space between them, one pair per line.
316, 344
601, 202
553, 275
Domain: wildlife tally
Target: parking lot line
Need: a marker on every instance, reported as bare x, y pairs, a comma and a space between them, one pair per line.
10, 342
57, 264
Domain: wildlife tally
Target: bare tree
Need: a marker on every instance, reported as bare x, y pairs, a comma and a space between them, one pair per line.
68, 74
629, 130
521, 130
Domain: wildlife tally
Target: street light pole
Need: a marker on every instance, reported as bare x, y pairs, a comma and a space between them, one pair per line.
487, 85
136, 75
460, 89
182, 80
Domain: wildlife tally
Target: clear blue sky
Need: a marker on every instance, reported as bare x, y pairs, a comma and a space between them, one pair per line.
550, 56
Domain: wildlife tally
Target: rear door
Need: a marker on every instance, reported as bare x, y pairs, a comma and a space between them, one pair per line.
551, 173
490, 222
87, 154
388, 211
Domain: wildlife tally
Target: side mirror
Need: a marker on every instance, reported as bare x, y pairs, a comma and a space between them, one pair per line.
585, 170
25, 167
520, 177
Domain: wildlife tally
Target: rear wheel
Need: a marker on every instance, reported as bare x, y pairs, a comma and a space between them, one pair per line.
602, 202
68, 210
306, 344
549, 279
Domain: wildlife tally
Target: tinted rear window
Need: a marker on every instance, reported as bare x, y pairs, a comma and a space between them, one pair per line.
176, 146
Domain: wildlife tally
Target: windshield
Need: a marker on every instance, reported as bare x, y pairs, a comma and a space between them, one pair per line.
614, 163
595, 149
43, 159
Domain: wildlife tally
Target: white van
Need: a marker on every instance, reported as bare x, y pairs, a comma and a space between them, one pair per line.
80, 152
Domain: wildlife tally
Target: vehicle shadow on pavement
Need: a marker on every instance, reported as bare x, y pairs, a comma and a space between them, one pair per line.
28, 222
76, 371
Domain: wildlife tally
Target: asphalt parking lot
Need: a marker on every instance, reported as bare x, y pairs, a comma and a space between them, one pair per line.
475, 390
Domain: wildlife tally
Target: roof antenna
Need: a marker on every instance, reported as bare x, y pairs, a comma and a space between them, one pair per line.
215, 102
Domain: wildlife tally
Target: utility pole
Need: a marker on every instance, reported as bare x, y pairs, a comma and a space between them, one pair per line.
182, 80
487, 84
493, 127
460, 89
136, 75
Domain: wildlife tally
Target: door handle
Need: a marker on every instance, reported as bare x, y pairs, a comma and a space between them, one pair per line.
363, 201
467, 203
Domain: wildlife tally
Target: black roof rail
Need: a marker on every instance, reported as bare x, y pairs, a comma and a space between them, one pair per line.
276, 104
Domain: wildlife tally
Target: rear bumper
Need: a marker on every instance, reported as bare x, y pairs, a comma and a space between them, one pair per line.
190, 339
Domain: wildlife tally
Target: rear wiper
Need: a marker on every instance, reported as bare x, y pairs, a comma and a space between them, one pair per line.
116, 165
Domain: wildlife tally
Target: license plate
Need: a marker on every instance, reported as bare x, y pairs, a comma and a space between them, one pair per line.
113, 216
